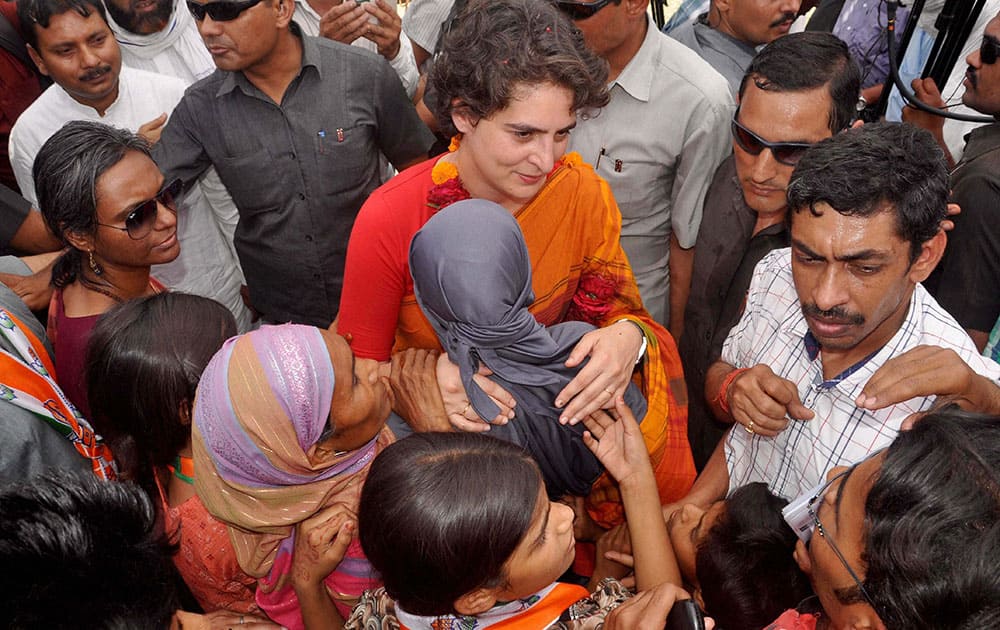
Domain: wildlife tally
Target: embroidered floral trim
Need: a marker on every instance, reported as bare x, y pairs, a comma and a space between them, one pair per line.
448, 187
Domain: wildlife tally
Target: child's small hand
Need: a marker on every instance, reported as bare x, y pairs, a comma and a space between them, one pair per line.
612, 544
617, 441
320, 544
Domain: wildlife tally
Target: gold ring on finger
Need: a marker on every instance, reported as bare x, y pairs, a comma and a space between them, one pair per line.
610, 392
749, 428
466, 408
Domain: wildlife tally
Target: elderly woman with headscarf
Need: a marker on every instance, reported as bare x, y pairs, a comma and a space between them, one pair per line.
286, 424
472, 278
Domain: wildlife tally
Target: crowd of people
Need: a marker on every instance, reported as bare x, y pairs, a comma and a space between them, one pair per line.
502, 313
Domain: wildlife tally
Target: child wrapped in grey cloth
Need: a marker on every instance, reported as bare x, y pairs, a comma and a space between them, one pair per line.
472, 278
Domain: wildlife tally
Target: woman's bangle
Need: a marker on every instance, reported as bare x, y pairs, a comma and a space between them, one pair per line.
722, 398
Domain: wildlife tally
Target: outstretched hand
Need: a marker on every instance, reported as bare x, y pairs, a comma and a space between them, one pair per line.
615, 439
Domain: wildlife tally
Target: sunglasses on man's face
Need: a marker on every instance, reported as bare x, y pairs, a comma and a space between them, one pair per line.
787, 153
139, 222
581, 10
221, 11
989, 51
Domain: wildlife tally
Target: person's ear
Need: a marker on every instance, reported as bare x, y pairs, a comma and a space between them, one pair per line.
476, 602
35, 57
462, 117
930, 254
722, 6
636, 8
286, 8
80, 240
184, 412
801, 556
857, 124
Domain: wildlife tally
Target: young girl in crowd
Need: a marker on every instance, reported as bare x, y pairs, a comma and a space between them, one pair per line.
492, 545
103, 196
144, 361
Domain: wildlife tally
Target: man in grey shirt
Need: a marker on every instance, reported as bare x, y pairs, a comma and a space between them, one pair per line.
294, 126
728, 35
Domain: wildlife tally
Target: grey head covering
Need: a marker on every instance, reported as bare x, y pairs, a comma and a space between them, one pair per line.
472, 278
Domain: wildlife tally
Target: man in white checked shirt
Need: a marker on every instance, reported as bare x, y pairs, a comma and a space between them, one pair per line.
838, 343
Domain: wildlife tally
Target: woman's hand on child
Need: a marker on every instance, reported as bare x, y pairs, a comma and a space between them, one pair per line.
616, 440
461, 415
612, 351
320, 544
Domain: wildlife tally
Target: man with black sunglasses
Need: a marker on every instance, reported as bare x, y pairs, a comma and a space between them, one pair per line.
811, 80
656, 143
967, 282
295, 126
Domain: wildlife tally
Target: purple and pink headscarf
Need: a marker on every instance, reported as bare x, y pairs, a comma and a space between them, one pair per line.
263, 402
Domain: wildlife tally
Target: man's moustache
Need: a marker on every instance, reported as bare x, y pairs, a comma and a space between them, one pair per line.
95, 73
836, 315
970, 74
787, 16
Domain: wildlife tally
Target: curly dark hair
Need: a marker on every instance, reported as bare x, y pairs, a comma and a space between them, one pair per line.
500, 45
878, 167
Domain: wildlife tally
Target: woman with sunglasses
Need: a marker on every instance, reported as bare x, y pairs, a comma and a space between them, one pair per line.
103, 196
512, 76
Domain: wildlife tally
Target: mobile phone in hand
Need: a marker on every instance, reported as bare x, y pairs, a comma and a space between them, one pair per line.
685, 615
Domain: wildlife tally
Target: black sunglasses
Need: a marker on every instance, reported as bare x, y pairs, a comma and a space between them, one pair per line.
582, 10
989, 51
787, 153
139, 222
221, 11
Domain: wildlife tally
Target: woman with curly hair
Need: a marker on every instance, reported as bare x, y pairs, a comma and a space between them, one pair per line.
512, 77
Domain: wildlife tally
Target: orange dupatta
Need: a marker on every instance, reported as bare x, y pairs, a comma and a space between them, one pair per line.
580, 272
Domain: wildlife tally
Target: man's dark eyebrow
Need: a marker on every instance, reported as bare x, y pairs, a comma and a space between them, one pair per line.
806, 250
866, 254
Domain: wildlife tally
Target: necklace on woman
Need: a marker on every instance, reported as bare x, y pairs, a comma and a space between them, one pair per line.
448, 187
97, 288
